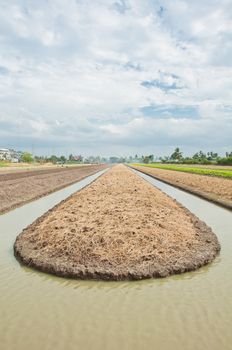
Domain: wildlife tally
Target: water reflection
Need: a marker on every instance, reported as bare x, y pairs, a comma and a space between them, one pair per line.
109, 285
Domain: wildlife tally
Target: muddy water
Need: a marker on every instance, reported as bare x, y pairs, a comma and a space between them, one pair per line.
189, 311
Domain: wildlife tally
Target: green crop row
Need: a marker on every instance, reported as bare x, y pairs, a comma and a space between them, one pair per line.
200, 171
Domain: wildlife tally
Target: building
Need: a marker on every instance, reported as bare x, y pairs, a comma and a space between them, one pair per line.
10, 155
5, 154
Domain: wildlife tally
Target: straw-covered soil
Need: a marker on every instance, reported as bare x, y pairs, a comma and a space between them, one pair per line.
119, 227
20, 187
214, 189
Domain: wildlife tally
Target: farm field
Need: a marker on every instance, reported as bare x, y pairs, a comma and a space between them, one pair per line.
19, 187
4, 165
204, 166
115, 175
20, 167
125, 229
216, 189
74, 308
201, 170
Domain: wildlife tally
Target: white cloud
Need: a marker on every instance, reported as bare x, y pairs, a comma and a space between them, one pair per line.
74, 71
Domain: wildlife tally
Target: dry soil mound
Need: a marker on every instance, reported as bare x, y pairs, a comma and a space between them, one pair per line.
119, 227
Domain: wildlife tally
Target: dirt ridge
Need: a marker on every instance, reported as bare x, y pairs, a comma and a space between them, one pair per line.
19, 191
97, 234
225, 203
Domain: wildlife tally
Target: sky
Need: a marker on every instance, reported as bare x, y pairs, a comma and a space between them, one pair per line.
120, 77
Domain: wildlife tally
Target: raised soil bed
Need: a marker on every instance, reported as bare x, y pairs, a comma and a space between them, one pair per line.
20, 187
214, 189
119, 227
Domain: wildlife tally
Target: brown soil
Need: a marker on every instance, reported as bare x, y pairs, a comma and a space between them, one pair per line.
18, 188
214, 189
119, 227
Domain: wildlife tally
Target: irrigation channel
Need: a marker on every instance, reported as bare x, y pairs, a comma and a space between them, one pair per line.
188, 311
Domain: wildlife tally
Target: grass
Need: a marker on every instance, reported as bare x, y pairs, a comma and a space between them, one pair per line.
3, 164
201, 171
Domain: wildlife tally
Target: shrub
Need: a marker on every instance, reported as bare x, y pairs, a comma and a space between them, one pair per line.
225, 161
27, 157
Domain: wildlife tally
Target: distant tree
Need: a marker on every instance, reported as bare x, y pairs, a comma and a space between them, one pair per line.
40, 159
146, 159
98, 159
151, 157
27, 157
212, 156
54, 159
63, 159
225, 161
195, 156
177, 154
201, 155
122, 160
165, 159
103, 160
228, 154
202, 158
113, 159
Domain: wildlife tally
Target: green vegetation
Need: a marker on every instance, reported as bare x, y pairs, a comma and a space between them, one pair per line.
177, 155
148, 159
3, 164
27, 157
194, 170
201, 171
225, 161
177, 158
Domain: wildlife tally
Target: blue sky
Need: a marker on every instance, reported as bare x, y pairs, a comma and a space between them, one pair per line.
116, 77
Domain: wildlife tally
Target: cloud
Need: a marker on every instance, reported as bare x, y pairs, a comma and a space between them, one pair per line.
171, 112
3, 71
126, 74
121, 6
165, 82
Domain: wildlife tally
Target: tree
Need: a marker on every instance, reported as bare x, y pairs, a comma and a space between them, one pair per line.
53, 159
195, 156
212, 155
151, 158
201, 155
177, 154
27, 157
146, 159
122, 160
164, 159
114, 160
63, 159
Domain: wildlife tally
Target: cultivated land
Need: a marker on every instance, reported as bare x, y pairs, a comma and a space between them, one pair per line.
204, 166
219, 172
215, 189
119, 227
19, 187
18, 167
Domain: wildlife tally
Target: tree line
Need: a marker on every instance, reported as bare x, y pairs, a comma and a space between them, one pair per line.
197, 158
175, 157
